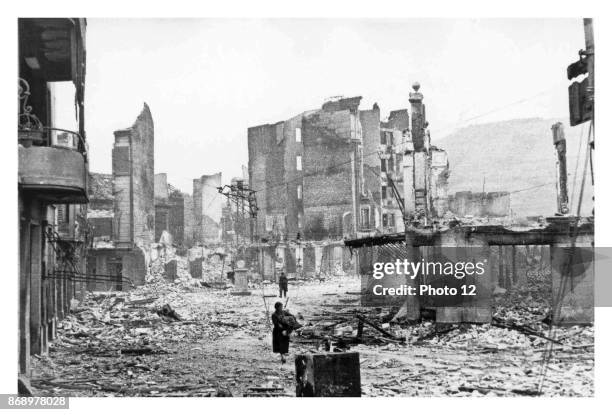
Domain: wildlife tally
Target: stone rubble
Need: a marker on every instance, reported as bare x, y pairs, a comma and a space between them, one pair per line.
120, 344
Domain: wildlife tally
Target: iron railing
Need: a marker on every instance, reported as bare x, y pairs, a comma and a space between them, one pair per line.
31, 130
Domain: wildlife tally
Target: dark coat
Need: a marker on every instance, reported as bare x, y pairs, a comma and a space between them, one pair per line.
280, 342
283, 282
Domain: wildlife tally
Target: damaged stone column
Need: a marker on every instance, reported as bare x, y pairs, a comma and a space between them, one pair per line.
418, 117
409, 203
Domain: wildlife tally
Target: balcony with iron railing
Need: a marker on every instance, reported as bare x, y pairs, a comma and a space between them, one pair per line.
52, 161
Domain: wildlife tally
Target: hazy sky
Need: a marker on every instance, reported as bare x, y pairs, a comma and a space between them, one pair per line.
207, 80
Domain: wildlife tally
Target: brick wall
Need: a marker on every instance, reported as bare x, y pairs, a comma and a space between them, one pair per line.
276, 191
189, 221
143, 176
161, 186
122, 209
328, 139
197, 211
327, 172
266, 171
176, 219
370, 125
294, 207
162, 213
133, 182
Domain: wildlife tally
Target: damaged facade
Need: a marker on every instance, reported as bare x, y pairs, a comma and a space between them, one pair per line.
52, 180
207, 204
425, 169
169, 210
338, 172
123, 259
308, 174
384, 147
429, 235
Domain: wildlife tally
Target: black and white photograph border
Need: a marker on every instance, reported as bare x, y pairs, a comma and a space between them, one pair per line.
384, 201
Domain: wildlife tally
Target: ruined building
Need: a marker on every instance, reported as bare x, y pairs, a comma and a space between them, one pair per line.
308, 173
100, 211
188, 221
332, 173
384, 145
125, 255
426, 169
207, 204
162, 207
176, 220
52, 180
169, 210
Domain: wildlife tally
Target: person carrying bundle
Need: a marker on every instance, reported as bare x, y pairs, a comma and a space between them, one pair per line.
284, 323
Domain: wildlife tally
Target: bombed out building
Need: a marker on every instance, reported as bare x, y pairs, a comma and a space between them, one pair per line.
385, 142
308, 174
319, 178
169, 210
122, 239
207, 205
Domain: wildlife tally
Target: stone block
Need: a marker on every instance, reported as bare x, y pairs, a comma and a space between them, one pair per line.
195, 268
170, 270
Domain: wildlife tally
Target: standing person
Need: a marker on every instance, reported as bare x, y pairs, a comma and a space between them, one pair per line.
282, 285
280, 332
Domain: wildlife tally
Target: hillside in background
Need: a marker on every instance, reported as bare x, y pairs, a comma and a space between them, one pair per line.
516, 156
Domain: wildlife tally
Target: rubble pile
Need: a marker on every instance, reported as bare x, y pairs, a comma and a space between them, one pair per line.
504, 358
117, 336
157, 272
527, 302
183, 277
172, 339
214, 267
338, 329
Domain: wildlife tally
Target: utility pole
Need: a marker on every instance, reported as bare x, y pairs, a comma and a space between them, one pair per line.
560, 147
242, 196
590, 59
354, 190
582, 94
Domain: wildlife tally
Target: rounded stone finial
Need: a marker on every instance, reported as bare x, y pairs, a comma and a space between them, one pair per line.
416, 86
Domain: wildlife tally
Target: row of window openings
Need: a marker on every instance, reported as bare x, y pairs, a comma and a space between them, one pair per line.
271, 222
387, 165
386, 137
388, 219
384, 164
